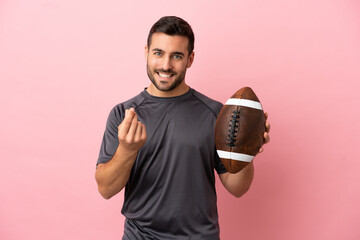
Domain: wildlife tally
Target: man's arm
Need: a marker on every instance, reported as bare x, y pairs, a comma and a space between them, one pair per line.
111, 177
239, 183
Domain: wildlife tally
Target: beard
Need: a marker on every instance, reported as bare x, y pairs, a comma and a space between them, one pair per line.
159, 85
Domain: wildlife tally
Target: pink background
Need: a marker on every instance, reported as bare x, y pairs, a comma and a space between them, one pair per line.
65, 64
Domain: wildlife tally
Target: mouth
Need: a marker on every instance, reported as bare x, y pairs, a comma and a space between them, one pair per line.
165, 75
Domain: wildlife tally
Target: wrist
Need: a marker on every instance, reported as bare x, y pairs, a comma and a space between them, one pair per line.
126, 152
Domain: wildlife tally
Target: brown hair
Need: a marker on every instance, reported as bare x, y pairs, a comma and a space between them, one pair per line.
172, 25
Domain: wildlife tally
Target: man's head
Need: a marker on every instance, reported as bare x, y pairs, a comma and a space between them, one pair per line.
169, 52
172, 25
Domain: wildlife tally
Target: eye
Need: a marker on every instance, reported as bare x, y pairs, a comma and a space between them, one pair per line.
157, 53
177, 56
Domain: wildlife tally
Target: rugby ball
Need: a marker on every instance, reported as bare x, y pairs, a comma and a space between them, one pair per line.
239, 130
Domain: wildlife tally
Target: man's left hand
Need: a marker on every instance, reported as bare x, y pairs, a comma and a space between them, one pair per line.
266, 133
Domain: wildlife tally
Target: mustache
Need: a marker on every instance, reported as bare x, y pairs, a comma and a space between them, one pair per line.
165, 71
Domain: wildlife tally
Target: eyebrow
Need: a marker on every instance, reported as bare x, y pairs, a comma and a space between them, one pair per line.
157, 50
179, 53
174, 53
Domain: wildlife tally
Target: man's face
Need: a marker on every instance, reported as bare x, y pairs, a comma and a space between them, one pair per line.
167, 60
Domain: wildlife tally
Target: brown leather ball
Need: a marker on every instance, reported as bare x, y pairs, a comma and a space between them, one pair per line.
239, 130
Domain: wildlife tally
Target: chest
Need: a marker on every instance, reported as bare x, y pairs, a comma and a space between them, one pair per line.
178, 125
180, 145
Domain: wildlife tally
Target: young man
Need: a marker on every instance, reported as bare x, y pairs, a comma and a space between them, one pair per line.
159, 145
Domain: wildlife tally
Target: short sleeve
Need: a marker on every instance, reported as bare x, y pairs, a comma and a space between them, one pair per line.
110, 139
219, 166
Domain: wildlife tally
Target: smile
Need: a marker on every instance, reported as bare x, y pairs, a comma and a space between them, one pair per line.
163, 75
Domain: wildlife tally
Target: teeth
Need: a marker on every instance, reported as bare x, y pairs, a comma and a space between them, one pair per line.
164, 75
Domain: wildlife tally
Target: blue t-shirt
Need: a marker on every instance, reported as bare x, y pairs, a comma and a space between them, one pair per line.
170, 193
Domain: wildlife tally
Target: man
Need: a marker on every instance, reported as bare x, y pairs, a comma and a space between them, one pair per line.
159, 145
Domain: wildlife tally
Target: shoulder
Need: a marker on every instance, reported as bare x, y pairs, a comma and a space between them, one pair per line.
213, 105
118, 111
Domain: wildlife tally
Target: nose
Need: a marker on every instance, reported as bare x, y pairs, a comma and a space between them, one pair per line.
166, 64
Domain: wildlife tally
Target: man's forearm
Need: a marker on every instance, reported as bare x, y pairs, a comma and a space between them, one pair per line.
112, 176
239, 183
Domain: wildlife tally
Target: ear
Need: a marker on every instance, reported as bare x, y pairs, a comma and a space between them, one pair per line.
146, 52
190, 60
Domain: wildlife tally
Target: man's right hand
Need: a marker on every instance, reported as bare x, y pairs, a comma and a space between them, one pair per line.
112, 176
131, 133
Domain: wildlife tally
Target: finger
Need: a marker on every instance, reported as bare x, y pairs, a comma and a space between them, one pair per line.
267, 125
143, 133
261, 150
138, 131
133, 126
266, 137
126, 123
266, 115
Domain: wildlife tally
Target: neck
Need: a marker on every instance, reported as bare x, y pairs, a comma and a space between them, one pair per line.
180, 90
